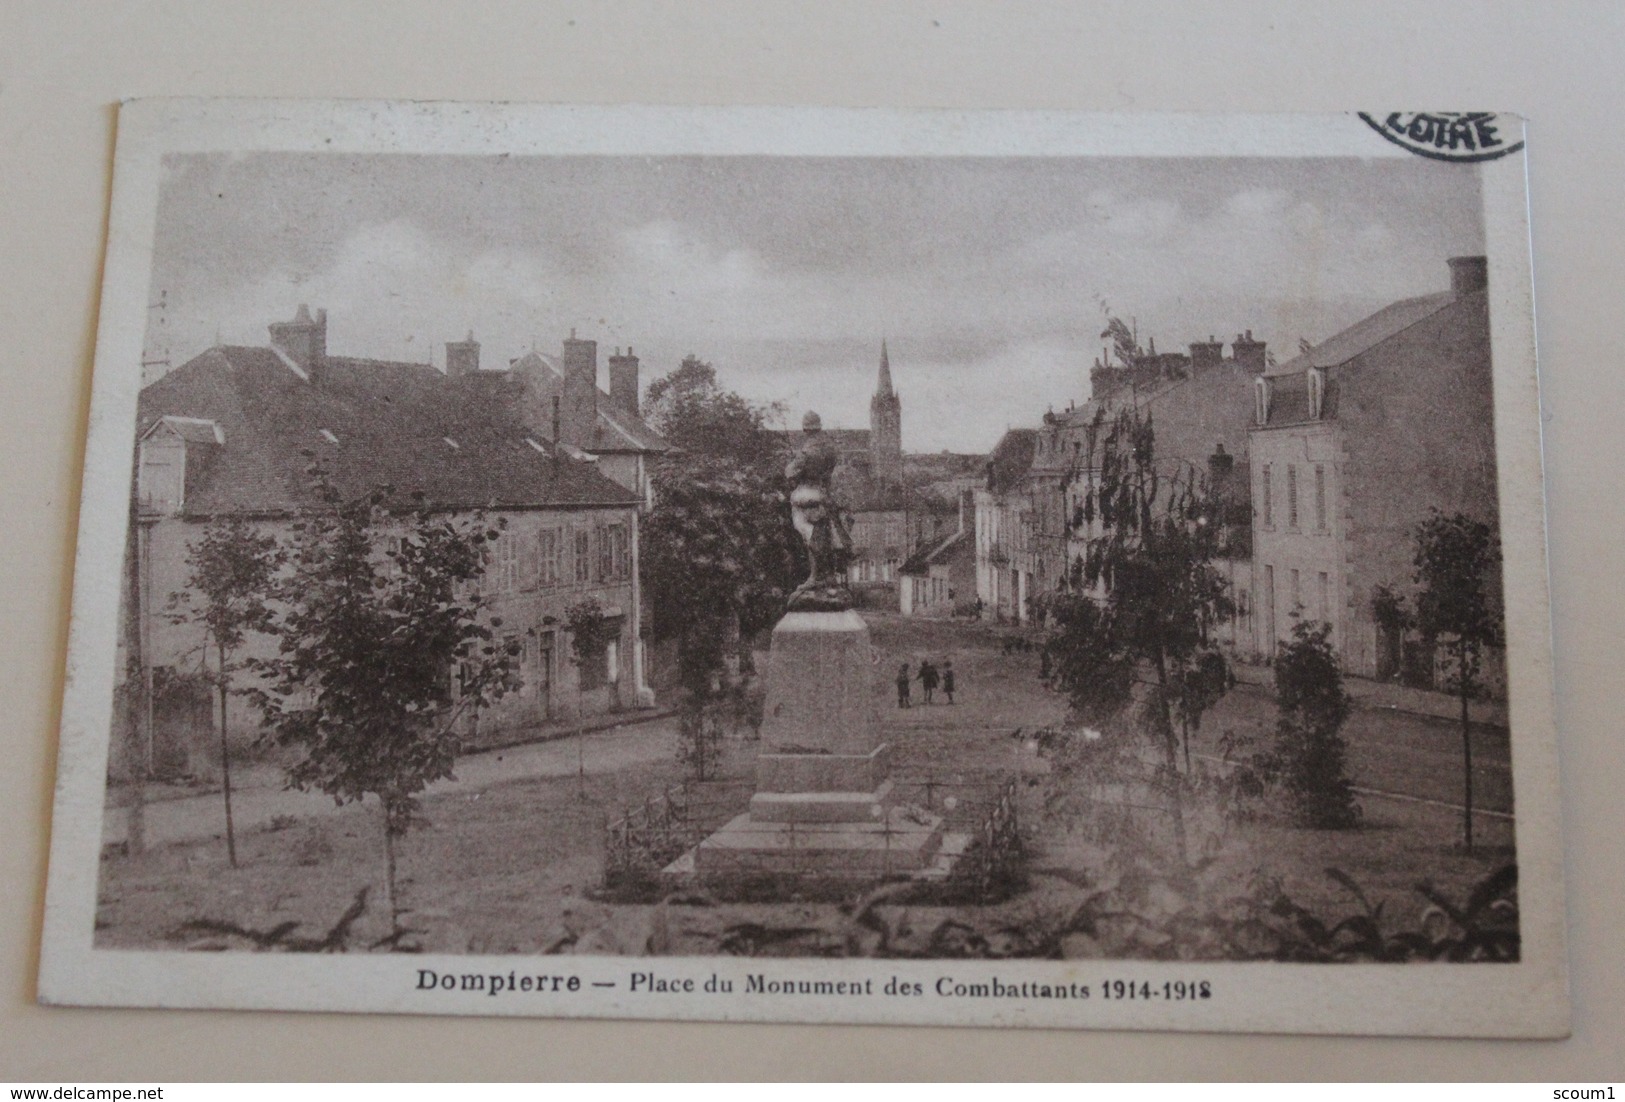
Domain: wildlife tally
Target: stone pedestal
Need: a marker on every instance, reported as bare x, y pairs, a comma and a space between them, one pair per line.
823, 806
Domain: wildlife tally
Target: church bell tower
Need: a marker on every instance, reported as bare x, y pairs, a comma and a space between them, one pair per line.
886, 428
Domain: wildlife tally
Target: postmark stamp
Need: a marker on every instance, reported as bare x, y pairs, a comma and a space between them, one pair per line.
1463, 136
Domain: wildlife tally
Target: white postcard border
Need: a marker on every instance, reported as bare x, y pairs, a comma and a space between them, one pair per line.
1526, 999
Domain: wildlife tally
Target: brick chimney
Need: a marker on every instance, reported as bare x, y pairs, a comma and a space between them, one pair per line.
623, 380
1206, 353
462, 357
578, 414
1249, 353
1468, 274
303, 340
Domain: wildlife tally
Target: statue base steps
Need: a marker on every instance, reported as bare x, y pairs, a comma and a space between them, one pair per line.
904, 842
823, 811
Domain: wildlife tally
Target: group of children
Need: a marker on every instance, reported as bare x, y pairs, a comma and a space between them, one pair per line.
929, 677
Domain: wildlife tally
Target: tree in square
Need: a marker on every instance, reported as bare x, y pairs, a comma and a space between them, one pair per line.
1458, 604
1310, 752
719, 556
384, 641
1136, 621
234, 567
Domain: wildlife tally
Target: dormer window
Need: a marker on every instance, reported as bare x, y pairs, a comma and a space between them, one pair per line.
1261, 396
168, 449
162, 487
1317, 392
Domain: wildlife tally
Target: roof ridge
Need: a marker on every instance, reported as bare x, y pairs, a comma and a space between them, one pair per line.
1439, 300
272, 423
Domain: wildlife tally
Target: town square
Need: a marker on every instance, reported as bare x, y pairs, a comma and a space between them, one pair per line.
541, 556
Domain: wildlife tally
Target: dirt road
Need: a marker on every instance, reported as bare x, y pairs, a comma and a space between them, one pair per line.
259, 799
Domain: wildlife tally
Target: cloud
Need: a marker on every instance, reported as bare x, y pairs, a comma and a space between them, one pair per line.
984, 275
1134, 218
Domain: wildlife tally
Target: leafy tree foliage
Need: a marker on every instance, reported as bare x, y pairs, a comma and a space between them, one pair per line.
1310, 751
588, 628
384, 643
1137, 619
719, 555
234, 566
1458, 603
589, 637
696, 415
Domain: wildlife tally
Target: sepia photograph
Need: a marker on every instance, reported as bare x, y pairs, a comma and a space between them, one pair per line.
814, 565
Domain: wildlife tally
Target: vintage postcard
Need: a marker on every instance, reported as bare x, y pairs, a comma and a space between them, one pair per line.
811, 565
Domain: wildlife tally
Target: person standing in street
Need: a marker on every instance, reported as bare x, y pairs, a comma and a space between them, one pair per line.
948, 679
928, 679
902, 686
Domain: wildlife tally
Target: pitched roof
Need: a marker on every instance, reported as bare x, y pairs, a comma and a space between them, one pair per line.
369, 423
936, 553
193, 430
1289, 383
1011, 459
618, 429
1365, 334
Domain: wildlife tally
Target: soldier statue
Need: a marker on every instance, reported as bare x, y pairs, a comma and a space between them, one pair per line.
817, 518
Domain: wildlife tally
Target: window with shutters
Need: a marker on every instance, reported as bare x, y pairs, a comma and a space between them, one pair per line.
606, 554
1266, 494
614, 553
583, 555
393, 548
620, 552
1320, 497
530, 561
1269, 611
550, 552
505, 567
1291, 495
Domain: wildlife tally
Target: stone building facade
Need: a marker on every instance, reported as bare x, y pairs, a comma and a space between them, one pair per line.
1199, 405
233, 432
939, 579
1007, 565
1353, 443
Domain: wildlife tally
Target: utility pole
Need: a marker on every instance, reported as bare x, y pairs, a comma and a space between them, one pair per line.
155, 350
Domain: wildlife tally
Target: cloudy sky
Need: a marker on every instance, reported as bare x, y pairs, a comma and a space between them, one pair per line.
988, 278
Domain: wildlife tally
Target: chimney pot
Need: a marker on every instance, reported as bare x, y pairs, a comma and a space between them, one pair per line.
303, 340
1206, 355
1468, 274
1250, 353
623, 380
580, 392
463, 357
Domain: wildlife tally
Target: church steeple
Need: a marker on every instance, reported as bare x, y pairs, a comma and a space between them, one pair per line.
886, 427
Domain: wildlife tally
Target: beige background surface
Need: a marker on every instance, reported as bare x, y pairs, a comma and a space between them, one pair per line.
63, 67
